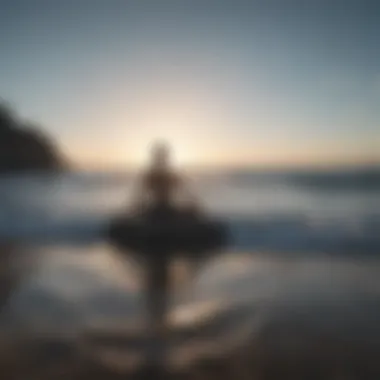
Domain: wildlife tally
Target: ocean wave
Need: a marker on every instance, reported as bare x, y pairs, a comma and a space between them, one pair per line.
71, 210
281, 233
300, 234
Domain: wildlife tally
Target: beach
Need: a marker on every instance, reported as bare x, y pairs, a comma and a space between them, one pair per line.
295, 295
256, 315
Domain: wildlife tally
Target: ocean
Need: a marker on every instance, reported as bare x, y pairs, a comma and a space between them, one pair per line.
335, 212
301, 242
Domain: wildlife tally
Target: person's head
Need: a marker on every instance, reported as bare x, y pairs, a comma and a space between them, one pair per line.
160, 155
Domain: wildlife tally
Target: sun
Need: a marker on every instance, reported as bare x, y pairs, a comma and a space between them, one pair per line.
173, 121
183, 153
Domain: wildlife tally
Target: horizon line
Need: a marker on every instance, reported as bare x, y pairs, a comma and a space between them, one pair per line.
128, 167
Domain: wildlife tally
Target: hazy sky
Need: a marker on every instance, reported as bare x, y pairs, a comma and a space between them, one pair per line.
226, 81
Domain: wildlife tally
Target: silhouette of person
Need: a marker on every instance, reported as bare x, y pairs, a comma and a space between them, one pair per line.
161, 184
156, 194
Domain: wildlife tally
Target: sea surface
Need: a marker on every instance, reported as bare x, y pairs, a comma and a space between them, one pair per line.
303, 243
299, 210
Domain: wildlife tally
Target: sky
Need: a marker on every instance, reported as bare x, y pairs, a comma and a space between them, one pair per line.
274, 82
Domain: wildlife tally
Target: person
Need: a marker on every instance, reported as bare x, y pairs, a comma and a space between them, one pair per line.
155, 198
160, 186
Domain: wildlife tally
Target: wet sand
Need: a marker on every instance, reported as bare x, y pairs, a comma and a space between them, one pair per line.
246, 316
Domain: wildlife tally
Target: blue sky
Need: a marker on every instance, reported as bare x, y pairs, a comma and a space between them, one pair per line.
227, 82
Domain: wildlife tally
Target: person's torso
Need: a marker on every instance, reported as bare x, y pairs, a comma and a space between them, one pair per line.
161, 185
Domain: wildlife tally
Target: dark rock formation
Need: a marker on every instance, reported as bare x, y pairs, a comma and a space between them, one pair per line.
23, 147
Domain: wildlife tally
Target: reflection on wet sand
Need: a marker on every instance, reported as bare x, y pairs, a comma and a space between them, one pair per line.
246, 316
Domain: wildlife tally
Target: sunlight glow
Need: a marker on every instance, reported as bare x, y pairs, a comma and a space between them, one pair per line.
183, 153
180, 124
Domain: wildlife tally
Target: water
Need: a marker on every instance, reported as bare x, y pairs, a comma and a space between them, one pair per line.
302, 243
266, 211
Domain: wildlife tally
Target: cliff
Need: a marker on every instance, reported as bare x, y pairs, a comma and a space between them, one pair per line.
24, 147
